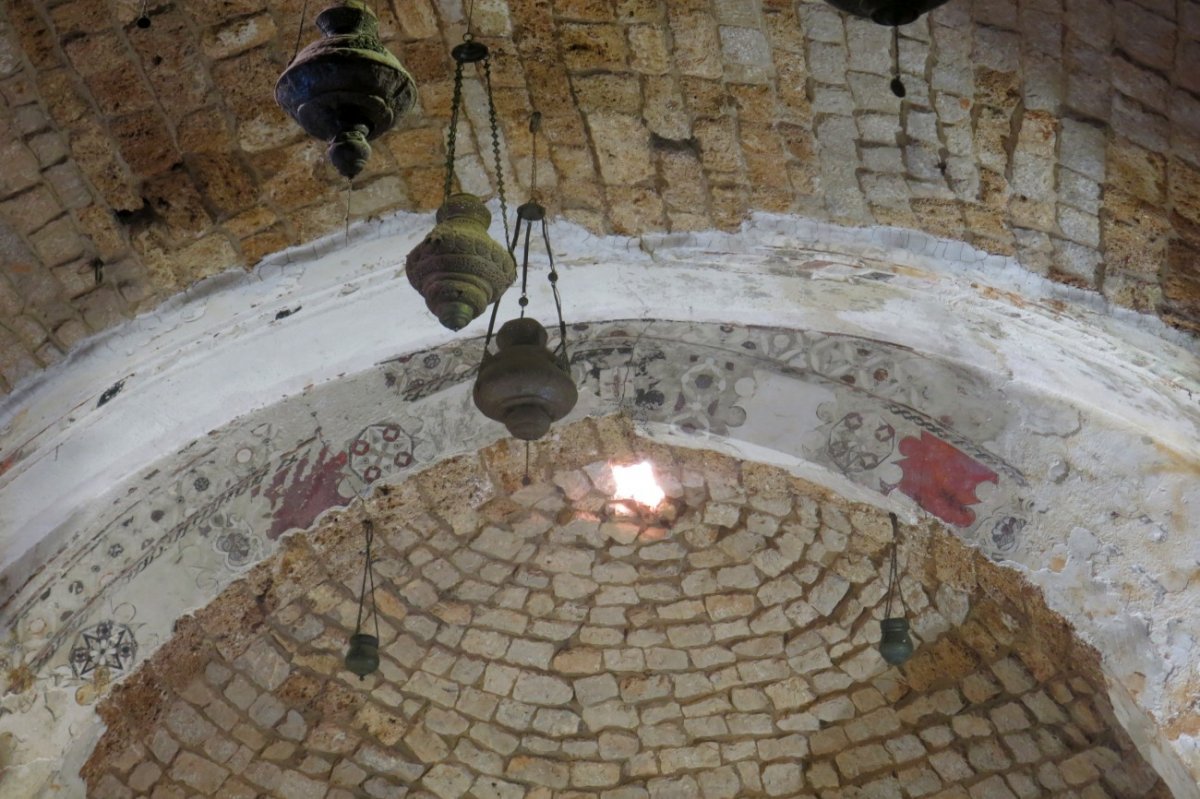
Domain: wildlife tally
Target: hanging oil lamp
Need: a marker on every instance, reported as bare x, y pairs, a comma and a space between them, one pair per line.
895, 644
362, 657
524, 384
893, 14
458, 268
346, 88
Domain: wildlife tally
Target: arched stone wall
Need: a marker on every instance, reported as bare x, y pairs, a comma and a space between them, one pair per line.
1039, 428
539, 641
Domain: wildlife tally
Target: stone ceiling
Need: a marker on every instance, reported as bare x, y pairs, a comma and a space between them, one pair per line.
539, 641
1064, 133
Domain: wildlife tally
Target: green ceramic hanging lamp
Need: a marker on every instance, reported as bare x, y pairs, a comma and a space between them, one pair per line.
362, 657
895, 644
458, 268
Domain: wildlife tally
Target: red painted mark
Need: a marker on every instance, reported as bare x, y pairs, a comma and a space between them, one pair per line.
299, 494
941, 478
10, 461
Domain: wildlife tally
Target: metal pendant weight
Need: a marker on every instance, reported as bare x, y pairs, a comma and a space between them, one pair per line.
458, 268
346, 88
523, 385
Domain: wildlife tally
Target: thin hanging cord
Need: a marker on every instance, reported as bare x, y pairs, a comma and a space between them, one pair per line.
371, 571
300, 30
470, 15
897, 84
526, 480
524, 301
143, 20
535, 127
487, 342
893, 570
349, 191
369, 533
553, 278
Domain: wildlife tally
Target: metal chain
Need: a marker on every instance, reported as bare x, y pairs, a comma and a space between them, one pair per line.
535, 125
452, 134
487, 77
561, 349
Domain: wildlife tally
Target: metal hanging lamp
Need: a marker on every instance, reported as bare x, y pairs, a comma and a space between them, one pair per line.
345, 88
458, 268
525, 385
893, 14
895, 644
362, 657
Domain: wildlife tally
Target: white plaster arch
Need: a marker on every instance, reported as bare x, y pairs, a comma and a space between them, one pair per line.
1076, 426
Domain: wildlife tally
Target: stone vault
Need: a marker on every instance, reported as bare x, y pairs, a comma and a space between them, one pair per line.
537, 642
1063, 132
958, 306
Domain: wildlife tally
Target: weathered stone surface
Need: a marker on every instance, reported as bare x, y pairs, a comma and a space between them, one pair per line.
684, 118
707, 681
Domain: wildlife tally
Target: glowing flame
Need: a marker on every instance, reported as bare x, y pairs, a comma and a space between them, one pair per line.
637, 482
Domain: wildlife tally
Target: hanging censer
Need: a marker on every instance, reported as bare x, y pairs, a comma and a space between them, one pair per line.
346, 87
362, 657
895, 645
525, 385
458, 268
893, 14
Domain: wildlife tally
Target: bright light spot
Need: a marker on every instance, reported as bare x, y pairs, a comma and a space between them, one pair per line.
637, 482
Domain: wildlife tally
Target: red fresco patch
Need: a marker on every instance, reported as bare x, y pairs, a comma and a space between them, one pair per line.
10, 461
941, 478
299, 495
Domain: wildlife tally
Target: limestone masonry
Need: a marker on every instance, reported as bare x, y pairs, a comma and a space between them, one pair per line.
539, 643
1064, 132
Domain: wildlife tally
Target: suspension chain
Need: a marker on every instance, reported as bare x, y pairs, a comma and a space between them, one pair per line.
452, 134
494, 124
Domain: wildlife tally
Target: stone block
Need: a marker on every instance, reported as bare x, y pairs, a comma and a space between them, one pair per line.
21, 170
238, 35
201, 774
696, 44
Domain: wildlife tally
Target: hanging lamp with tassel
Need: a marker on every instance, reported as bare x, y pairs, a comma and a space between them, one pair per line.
362, 656
458, 268
346, 88
525, 385
895, 645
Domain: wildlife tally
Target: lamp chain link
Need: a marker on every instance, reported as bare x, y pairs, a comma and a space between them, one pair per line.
535, 127
452, 133
492, 122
